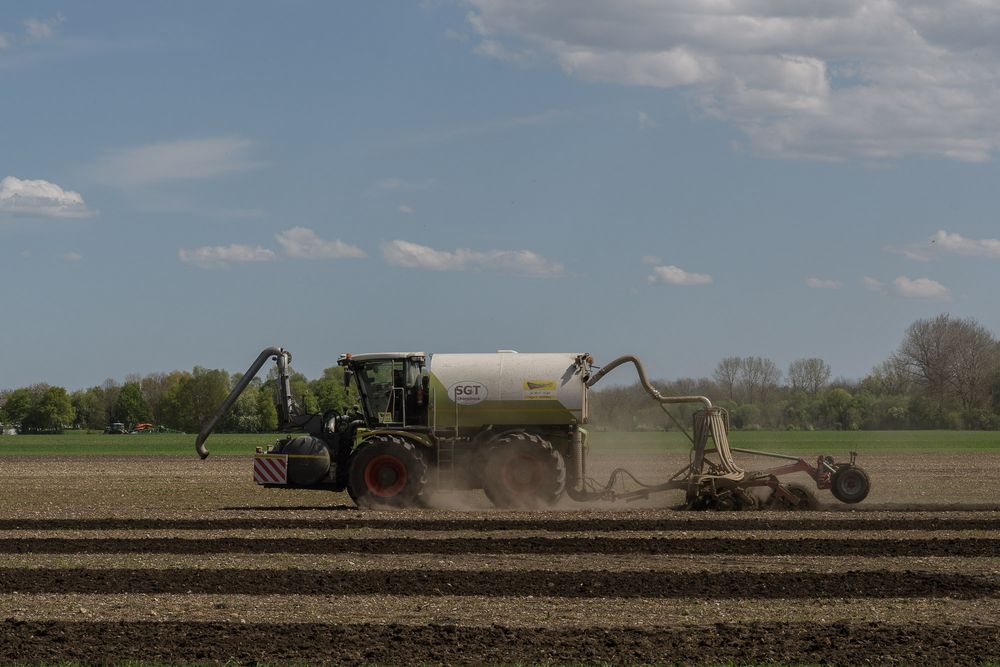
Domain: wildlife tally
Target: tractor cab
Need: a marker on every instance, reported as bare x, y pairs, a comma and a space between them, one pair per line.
391, 386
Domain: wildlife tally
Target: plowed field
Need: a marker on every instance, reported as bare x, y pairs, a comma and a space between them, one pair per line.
106, 560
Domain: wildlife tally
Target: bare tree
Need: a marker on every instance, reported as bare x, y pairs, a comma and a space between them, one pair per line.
950, 359
888, 378
727, 374
975, 364
758, 376
109, 394
809, 375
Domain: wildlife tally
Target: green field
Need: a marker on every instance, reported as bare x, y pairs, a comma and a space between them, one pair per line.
791, 442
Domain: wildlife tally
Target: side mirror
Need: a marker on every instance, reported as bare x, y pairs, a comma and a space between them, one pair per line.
348, 376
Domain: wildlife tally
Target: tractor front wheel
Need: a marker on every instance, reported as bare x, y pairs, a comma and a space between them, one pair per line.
523, 471
386, 472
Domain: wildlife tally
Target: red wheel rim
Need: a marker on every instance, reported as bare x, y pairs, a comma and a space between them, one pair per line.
523, 474
385, 476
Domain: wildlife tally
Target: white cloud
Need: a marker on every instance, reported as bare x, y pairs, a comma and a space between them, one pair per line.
921, 288
873, 284
38, 198
408, 210
943, 242
816, 283
918, 253
303, 243
219, 257
189, 159
397, 185
675, 275
651, 259
645, 122
72, 256
493, 49
519, 262
38, 29
821, 80
35, 30
959, 245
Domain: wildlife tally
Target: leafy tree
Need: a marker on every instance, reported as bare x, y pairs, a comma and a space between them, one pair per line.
189, 403
244, 416
87, 403
17, 407
838, 403
267, 411
330, 391
131, 406
53, 409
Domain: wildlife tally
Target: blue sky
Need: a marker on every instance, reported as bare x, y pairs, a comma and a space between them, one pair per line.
186, 183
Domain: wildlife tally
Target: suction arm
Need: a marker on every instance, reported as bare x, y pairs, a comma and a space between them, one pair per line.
285, 407
644, 381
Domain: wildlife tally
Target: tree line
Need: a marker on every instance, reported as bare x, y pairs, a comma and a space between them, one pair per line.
944, 374
180, 400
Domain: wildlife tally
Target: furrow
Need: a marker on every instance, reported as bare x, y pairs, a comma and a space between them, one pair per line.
805, 546
769, 521
344, 564
703, 585
841, 643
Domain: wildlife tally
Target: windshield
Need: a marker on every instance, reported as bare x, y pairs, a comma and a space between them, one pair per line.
383, 384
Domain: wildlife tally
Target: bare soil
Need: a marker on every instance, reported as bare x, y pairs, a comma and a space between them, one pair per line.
107, 560
750, 643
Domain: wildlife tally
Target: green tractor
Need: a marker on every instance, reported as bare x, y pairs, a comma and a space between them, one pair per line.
510, 424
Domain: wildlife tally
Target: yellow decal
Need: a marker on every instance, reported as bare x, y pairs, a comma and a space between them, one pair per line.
539, 389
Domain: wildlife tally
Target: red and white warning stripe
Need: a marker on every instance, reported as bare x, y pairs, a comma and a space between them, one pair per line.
270, 469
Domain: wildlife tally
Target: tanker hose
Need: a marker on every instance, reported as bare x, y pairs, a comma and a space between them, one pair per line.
579, 472
644, 382
247, 378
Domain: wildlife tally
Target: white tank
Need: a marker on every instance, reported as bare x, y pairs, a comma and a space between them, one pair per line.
507, 388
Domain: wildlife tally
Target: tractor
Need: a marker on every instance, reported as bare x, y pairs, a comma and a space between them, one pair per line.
510, 424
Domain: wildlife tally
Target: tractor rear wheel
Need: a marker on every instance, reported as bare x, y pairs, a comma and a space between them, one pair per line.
386, 472
523, 471
850, 484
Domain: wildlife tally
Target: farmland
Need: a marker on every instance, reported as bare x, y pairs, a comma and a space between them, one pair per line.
129, 548
798, 442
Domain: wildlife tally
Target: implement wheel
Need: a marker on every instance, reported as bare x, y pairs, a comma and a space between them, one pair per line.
850, 484
387, 472
523, 471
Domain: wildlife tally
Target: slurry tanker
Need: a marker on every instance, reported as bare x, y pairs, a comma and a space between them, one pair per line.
508, 423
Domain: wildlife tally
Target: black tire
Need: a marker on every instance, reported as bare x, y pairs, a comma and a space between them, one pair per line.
387, 472
523, 471
850, 484
807, 499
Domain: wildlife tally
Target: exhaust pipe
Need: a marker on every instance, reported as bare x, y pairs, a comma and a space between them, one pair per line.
283, 358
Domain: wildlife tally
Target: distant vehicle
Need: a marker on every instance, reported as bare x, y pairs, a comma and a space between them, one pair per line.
143, 427
116, 428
